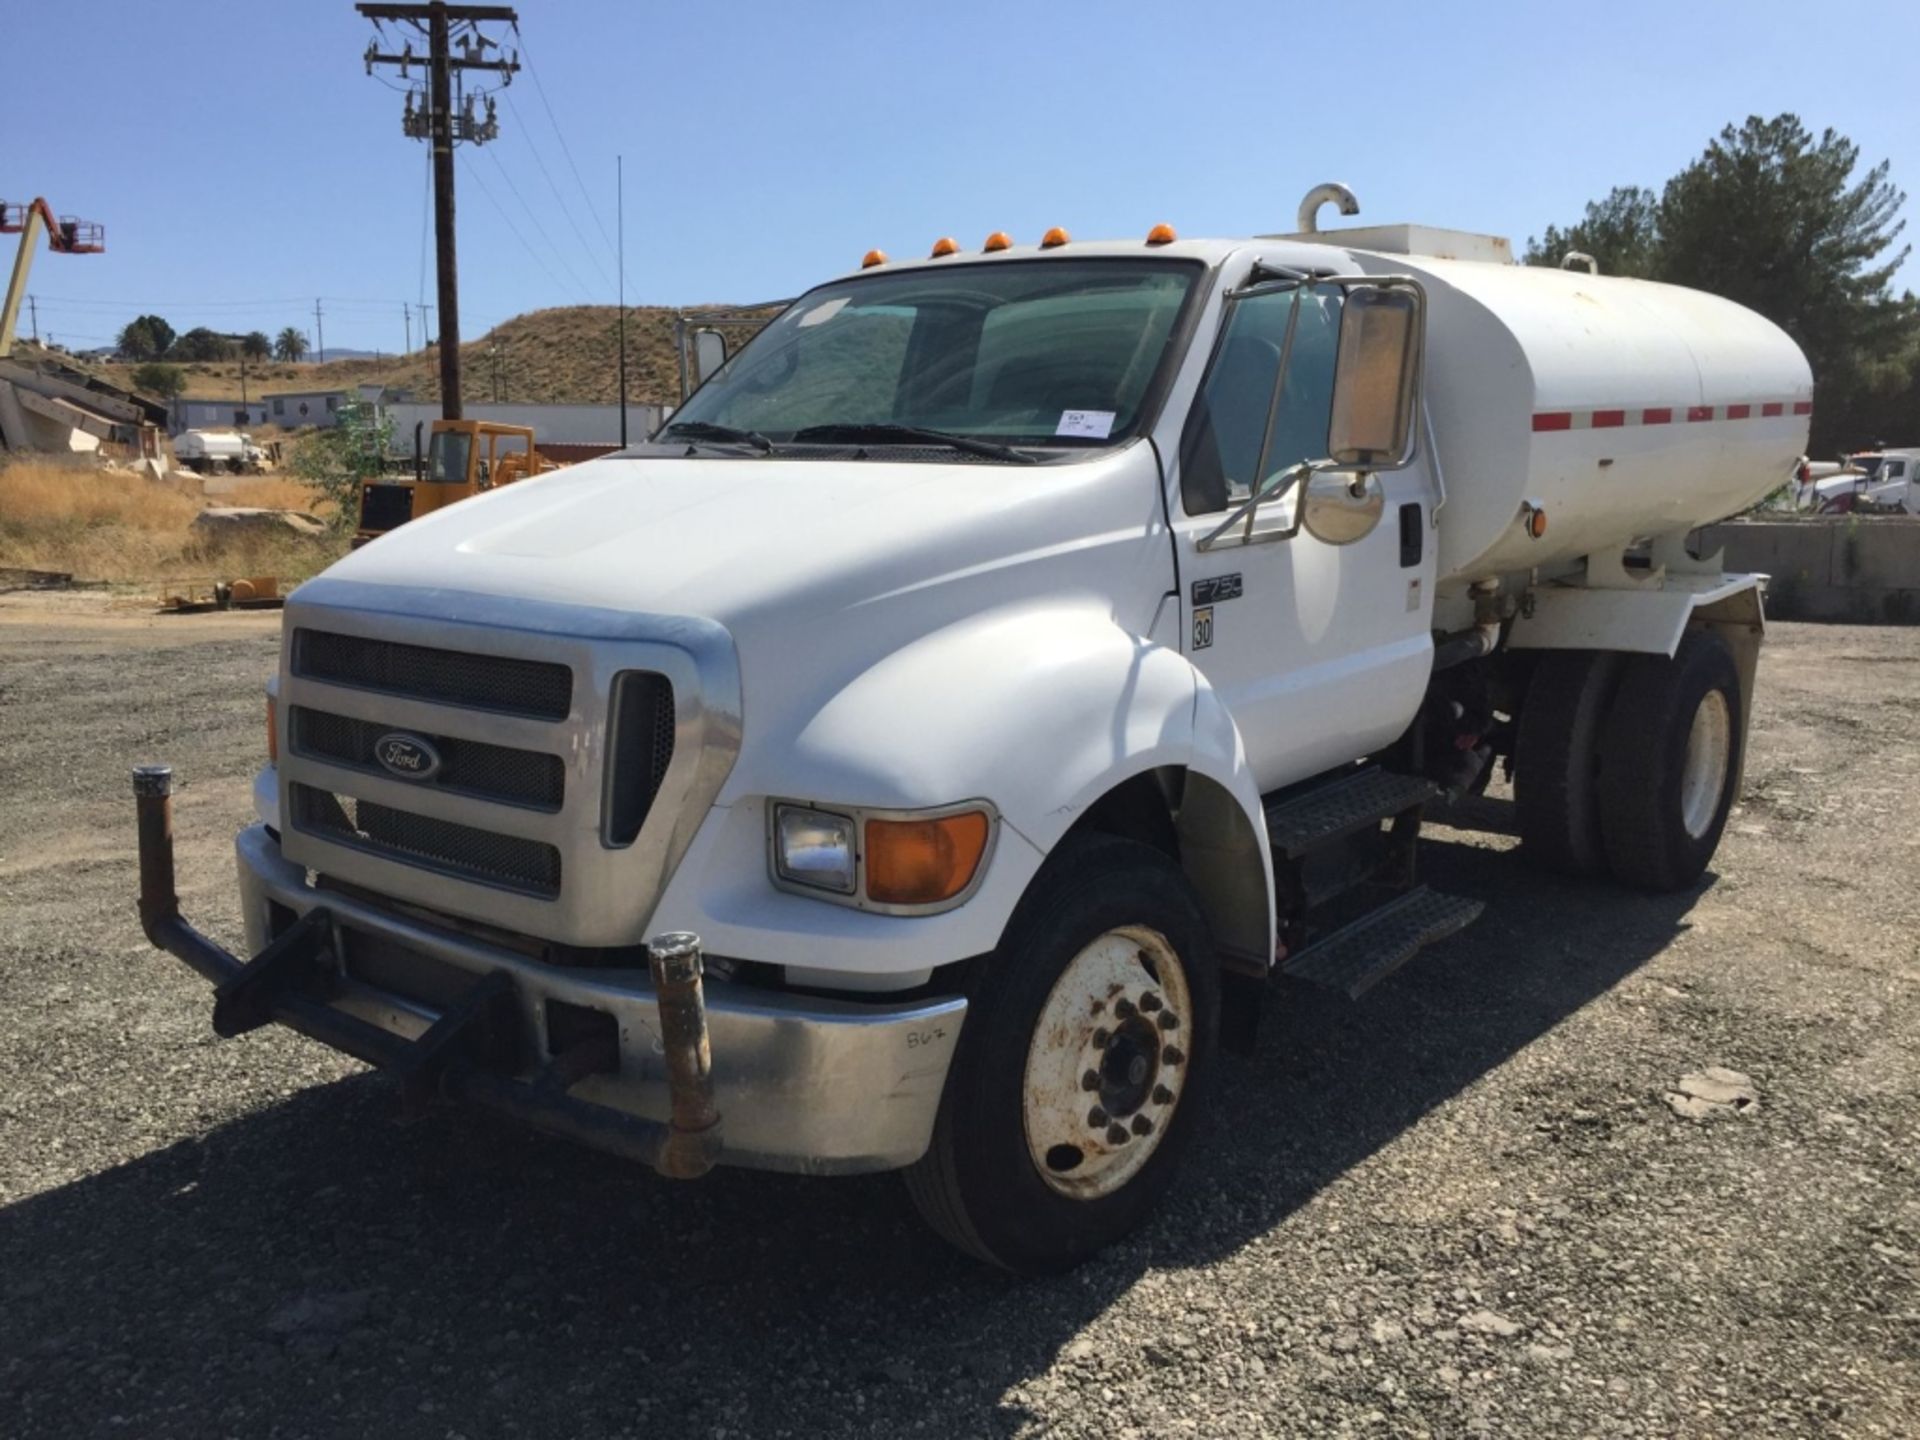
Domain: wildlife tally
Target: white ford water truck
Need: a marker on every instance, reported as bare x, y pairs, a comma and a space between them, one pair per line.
996, 675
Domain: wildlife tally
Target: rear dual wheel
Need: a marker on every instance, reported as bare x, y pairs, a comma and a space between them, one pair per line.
1083, 1064
1628, 763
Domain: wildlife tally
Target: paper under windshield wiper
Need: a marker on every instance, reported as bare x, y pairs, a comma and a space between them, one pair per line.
852, 433
707, 430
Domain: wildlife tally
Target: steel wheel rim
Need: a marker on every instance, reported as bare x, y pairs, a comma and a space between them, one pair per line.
1106, 1063
1703, 776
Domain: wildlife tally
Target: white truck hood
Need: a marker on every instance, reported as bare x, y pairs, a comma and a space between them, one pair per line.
735, 539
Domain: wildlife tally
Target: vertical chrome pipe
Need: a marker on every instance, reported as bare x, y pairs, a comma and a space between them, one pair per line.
693, 1139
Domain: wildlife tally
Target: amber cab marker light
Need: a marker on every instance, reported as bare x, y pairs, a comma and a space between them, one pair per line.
1054, 237
998, 240
945, 245
923, 862
1162, 234
873, 258
273, 734
1536, 522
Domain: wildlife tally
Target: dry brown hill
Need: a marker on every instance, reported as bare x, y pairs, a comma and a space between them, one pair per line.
566, 355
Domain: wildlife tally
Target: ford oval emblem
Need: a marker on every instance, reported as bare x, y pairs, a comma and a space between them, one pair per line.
407, 756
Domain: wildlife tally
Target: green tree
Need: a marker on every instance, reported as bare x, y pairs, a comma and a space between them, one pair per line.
201, 344
291, 345
337, 461
146, 337
1787, 224
1621, 233
255, 345
166, 381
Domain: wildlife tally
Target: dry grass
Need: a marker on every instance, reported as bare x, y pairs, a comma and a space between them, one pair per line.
119, 525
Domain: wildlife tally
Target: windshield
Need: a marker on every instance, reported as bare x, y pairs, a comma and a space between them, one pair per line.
447, 456
1040, 352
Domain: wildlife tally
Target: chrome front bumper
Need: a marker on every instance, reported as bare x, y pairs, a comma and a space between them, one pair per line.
802, 1084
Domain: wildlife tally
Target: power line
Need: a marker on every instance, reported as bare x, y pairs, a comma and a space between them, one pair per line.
578, 234
473, 173
564, 264
559, 134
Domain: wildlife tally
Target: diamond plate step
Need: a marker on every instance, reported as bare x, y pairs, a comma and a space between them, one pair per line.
1355, 958
1306, 822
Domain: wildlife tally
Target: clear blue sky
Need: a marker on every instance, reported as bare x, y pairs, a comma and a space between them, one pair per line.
244, 163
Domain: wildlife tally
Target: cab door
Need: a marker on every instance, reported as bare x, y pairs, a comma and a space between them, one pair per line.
1321, 652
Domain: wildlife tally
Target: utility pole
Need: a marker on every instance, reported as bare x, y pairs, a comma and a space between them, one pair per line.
319, 333
436, 122
33, 312
406, 318
620, 229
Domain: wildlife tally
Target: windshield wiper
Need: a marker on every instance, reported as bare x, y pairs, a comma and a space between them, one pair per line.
707, 430
855, 433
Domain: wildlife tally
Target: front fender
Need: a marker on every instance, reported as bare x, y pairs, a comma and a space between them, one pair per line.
1040, 710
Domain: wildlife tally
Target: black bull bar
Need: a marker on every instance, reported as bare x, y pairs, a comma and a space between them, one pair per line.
465, 1054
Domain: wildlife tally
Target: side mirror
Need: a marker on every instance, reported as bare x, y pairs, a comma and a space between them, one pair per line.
709, 353
1338, 509
1373, 386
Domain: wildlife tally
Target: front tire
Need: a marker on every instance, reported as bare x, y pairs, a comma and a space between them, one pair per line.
1084, 1063
1669, 760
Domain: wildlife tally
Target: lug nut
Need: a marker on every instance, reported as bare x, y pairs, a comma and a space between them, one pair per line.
1096, 1117
1169, 1020
1149, 1002
1142, 1125
1123, 1009
1172, 1055
1090, 1080
1117, 1134
1100, 1039
1162, 1095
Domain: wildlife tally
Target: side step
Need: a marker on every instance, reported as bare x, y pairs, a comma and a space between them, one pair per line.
1304, 823
1356, 957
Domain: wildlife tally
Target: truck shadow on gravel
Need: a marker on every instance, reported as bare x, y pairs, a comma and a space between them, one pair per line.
313, 1265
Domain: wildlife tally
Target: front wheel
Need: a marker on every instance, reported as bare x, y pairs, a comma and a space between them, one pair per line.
1083, 1065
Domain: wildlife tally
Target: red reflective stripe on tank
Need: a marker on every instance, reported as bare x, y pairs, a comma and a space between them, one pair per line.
1696, 413
1661, 416
1772, 407
1607, 419
1739, 412
1803, 407
1553, 420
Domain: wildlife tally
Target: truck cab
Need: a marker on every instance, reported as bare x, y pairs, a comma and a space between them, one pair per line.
462, 458
1004, 676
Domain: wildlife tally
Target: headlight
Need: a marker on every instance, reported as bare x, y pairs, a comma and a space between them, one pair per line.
814, 847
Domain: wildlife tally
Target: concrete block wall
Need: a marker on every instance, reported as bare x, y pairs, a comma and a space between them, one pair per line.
1863, 569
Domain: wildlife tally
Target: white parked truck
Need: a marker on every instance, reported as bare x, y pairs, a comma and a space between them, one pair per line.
204, 451
927, 749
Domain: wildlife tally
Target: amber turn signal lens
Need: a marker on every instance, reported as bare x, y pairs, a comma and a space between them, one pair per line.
273, 733
1536, 523
998, 240
873, 258
922, 862
945, 245
1161, 234
1053, 237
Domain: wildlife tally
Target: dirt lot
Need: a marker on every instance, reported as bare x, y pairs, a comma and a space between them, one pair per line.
1463, 1206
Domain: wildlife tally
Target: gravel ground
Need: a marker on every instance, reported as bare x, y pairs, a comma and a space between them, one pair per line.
1464, 1206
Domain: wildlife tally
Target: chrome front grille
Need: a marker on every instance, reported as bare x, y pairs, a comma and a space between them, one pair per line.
530, 866
445, 677
578, 749
468, 767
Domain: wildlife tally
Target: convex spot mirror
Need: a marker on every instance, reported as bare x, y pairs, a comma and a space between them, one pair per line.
709, 353
1373, 387
1338, 508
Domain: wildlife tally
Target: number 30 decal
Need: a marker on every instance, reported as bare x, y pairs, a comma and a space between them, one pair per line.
1202, 627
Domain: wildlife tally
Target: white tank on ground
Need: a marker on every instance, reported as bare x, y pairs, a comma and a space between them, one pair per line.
1621, 408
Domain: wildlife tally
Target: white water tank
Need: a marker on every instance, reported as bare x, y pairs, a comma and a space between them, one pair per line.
1622, 408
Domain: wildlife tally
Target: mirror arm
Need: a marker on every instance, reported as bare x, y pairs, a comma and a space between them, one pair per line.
1276, 485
